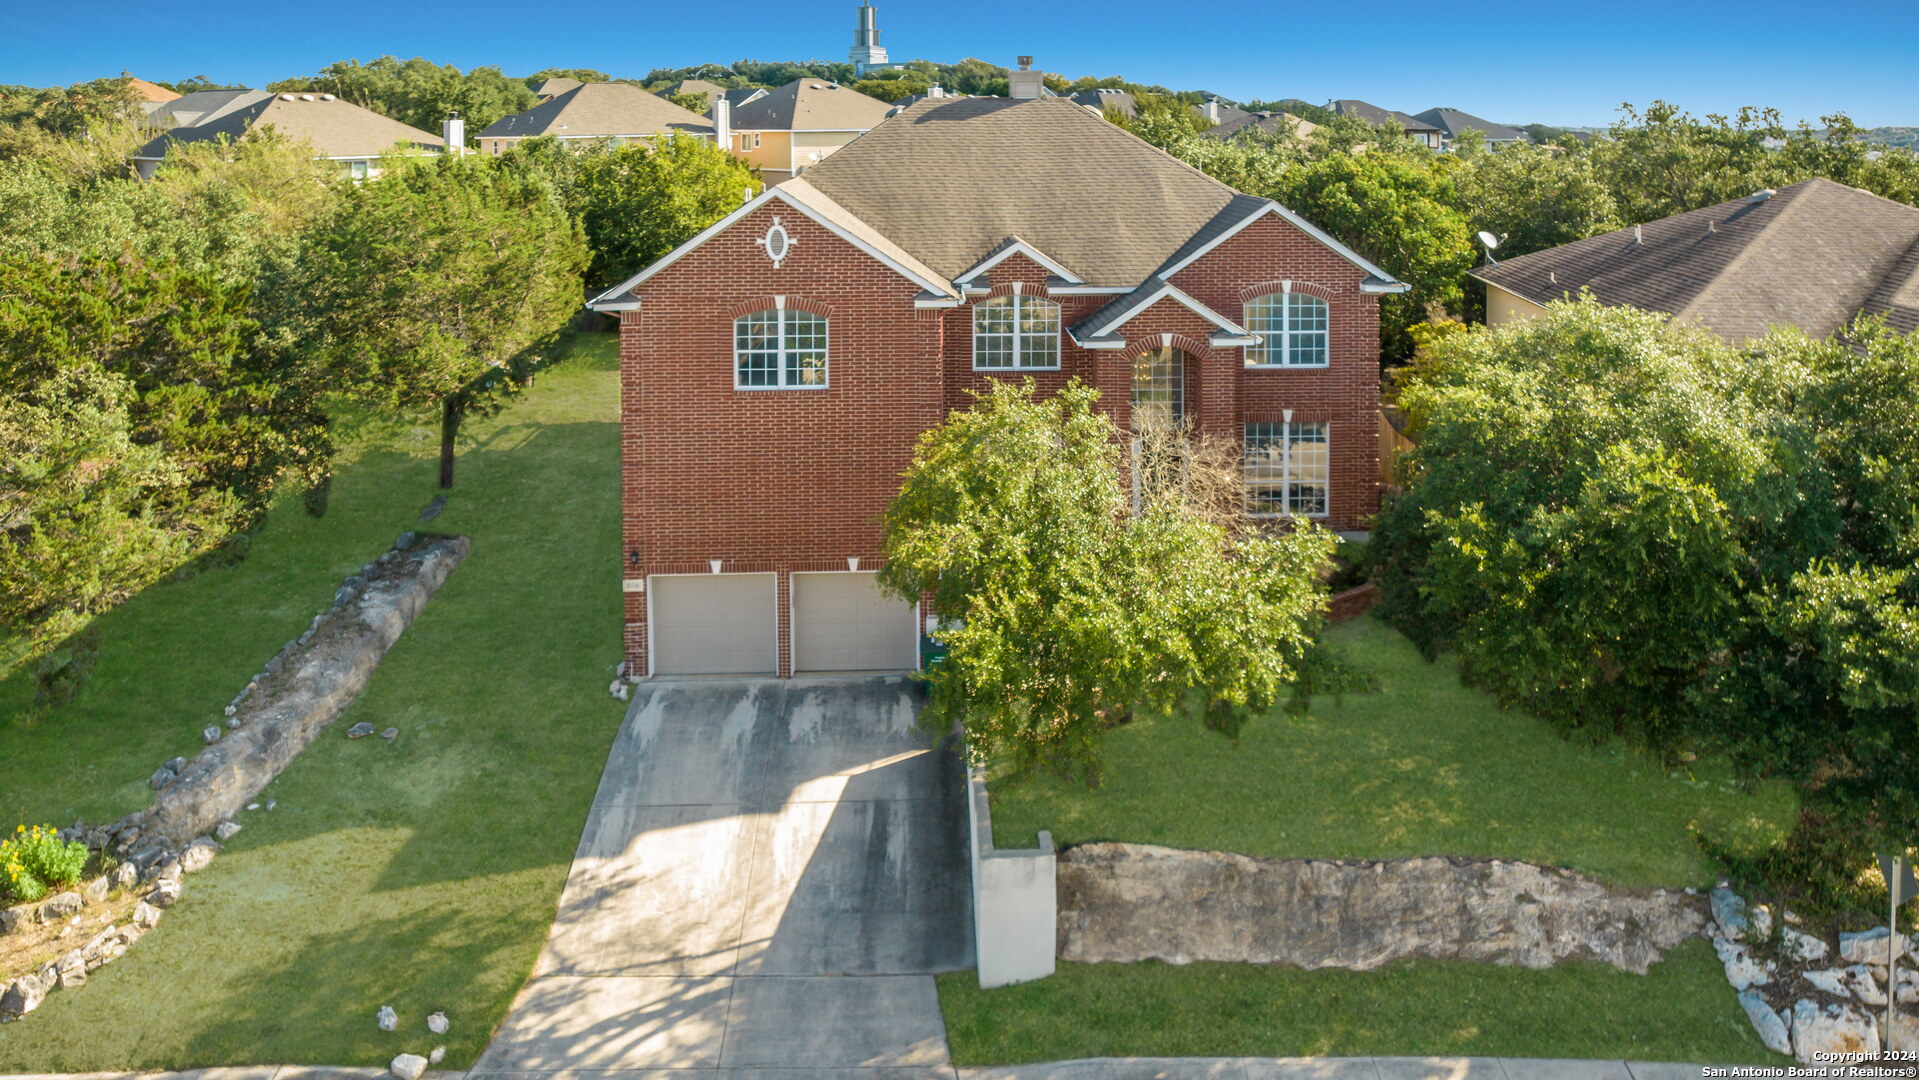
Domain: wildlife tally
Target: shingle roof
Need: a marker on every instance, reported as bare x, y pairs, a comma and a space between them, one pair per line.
950, 179
146, 91
696, 86
1813, 255
557, 86
596, 110
334, 128
811, 105
741, 95
1373, 114
1267, 122
1119, 101
202, 106
1452, 122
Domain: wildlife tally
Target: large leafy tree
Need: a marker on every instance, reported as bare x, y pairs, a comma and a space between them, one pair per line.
1627, 524
445, 284
1066, 606
420, 92
1534, 198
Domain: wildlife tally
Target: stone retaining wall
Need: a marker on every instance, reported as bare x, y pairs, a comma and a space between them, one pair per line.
1131, 902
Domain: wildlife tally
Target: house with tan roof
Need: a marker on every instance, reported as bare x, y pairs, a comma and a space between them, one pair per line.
778, 368
1423, 132
616, 112
147, 95
789, 130
1814, 255
337, 130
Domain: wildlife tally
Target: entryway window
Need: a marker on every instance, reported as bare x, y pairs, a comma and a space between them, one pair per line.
779, 349
1017, 332
1288, 469
1292, 330
1159, 388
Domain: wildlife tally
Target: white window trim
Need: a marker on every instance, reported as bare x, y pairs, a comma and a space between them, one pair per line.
780, 351
1019, 336
1286, 468
1285, 334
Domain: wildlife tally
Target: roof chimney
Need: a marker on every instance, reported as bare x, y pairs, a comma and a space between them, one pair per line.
1026, 83
453, 130
722, 122
1210, 110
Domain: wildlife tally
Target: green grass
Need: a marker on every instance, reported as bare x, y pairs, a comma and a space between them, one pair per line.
1682, 1011
421, 874
1425, 766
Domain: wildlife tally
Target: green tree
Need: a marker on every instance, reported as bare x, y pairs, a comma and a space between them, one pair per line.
1065, 607
1534, 197
419, 92
584, 75
1626, 524
446, 284
693, 103
894, 85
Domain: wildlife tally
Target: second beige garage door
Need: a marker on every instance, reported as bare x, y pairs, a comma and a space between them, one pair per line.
714, 624
841, 622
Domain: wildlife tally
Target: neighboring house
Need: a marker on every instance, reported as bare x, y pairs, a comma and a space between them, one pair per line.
1452, 124
1813, 255
148, 96
1104, 101
1268, 122
551, 88
201, 107
777, 368
615, 111
713, 91
789, 130
336, 130
1422, 130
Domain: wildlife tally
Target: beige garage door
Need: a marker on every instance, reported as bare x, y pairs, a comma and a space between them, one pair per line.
841, 622
714, 624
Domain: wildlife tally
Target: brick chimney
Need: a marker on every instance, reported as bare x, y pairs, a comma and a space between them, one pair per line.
1025, 83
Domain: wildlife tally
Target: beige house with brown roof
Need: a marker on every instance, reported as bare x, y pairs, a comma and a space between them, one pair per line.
614, 111
801, 124
337, 130
1814, 255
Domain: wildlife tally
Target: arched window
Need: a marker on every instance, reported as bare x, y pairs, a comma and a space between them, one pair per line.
779, 348
1291, 328
1016, 332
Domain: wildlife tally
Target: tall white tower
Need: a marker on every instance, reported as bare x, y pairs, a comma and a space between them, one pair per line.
867, 54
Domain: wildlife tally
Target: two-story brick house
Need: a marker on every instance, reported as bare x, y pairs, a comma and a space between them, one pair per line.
778, 367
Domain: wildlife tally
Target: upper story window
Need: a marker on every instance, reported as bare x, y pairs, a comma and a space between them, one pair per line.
1016, 332
1291, 328
779, 349
1288, 469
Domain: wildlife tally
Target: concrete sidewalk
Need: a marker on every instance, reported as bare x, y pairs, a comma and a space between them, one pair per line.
1362, 1068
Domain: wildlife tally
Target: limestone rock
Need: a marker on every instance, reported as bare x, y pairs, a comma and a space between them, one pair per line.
436, 1023
389, 1020
1131, 902
1828, 980
146, 915
226, 830
178, 765
1864, 986
9, 920
438, 1055
125, 876
408, 1066
1772, 1030
162, 868
199, 855
210, 734
71, 969
1743, 969
1827, 1029
1738, 920
1869, 946
390, 734
95, 891
23, 995
1803, 947
360, 730
64, 905
161, 777
165, 894
1905, 1030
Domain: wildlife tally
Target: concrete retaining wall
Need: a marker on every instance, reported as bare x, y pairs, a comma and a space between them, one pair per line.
1015, 899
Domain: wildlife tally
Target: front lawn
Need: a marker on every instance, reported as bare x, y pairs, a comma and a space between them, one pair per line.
1424, 766
421, 874
1682, 1011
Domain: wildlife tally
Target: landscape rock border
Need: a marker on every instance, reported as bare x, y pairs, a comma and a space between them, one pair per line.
280, 712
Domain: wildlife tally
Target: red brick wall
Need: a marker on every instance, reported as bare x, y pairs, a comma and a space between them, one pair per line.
784, 480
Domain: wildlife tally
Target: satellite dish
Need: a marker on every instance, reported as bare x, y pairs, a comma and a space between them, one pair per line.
1491, 242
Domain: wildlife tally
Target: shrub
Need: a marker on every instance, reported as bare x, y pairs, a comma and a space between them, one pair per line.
35, 860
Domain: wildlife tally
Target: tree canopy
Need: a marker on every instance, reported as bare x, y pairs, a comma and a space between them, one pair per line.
419, 92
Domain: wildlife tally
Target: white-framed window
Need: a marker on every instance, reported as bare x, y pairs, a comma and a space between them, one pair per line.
1015, 333
357, 169
779, 349
1159, 389
1292, 330
1288, 469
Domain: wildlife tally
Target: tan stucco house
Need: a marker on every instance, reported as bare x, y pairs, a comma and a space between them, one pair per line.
337, 130
801, 124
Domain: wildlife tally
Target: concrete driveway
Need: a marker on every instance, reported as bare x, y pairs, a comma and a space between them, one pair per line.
770, 872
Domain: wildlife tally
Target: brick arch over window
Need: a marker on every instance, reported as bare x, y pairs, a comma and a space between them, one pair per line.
1267, 288
1192, 347
1013, 288
769, 303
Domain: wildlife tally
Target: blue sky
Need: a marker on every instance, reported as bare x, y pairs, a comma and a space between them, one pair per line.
1507, 61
